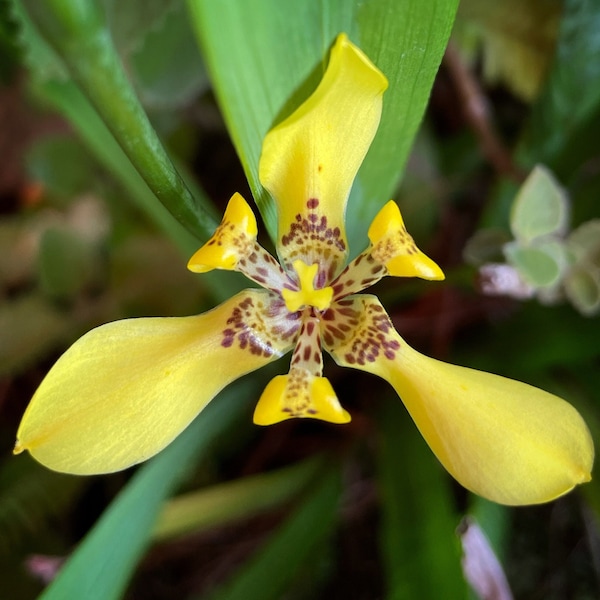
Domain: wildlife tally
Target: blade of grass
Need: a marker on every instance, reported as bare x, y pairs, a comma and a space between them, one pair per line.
227, 502
271, 571
421, 551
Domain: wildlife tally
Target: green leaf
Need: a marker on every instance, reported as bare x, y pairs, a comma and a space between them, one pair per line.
541, 207
582, 287
78, 31
571, 94
221, 504
541, 266
271, 571
131, 21
274, 55
420, 549
584, 241
167, 66
102, 564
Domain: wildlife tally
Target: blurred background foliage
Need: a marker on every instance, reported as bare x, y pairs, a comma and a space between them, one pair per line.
498, 176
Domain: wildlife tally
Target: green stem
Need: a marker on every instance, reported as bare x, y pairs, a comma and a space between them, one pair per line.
78, 31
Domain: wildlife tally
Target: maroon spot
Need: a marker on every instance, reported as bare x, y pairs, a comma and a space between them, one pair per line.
313, 202
310, 327
306, 353
350, 358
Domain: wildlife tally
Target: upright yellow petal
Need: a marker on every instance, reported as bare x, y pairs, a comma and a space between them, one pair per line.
502, 439
310, 160
125, 390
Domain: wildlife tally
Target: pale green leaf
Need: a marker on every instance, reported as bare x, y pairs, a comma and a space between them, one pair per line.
540, 208
582, 287
540, 266
584, 241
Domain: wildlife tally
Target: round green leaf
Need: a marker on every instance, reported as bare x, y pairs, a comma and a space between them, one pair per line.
540, 208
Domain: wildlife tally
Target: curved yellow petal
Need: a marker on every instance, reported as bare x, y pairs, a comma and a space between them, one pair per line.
299, 395
125, 390
233, 240
310, 160
394, 247
502, 439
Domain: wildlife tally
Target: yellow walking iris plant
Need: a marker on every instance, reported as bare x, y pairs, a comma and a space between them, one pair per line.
125, 390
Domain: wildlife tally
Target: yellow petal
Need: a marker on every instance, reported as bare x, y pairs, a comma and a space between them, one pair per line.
233, 240
310, 160
299, 395
394, 247
125, 390
502, 439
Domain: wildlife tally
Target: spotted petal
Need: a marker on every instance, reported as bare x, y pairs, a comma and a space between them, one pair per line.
502, 439
310, 160
125, 390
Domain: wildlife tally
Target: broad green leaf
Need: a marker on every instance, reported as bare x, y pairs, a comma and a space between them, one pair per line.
278, 564
78, 31
540, 208
275, 53
582, 287
540, 266
420, 550
103, 563
571, 94
227, 502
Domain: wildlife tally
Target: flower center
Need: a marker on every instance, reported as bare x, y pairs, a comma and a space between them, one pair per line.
307, 295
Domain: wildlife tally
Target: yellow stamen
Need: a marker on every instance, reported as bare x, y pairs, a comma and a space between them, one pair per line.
307, 295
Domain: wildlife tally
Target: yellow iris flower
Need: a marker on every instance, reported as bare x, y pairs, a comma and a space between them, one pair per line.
126, 389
